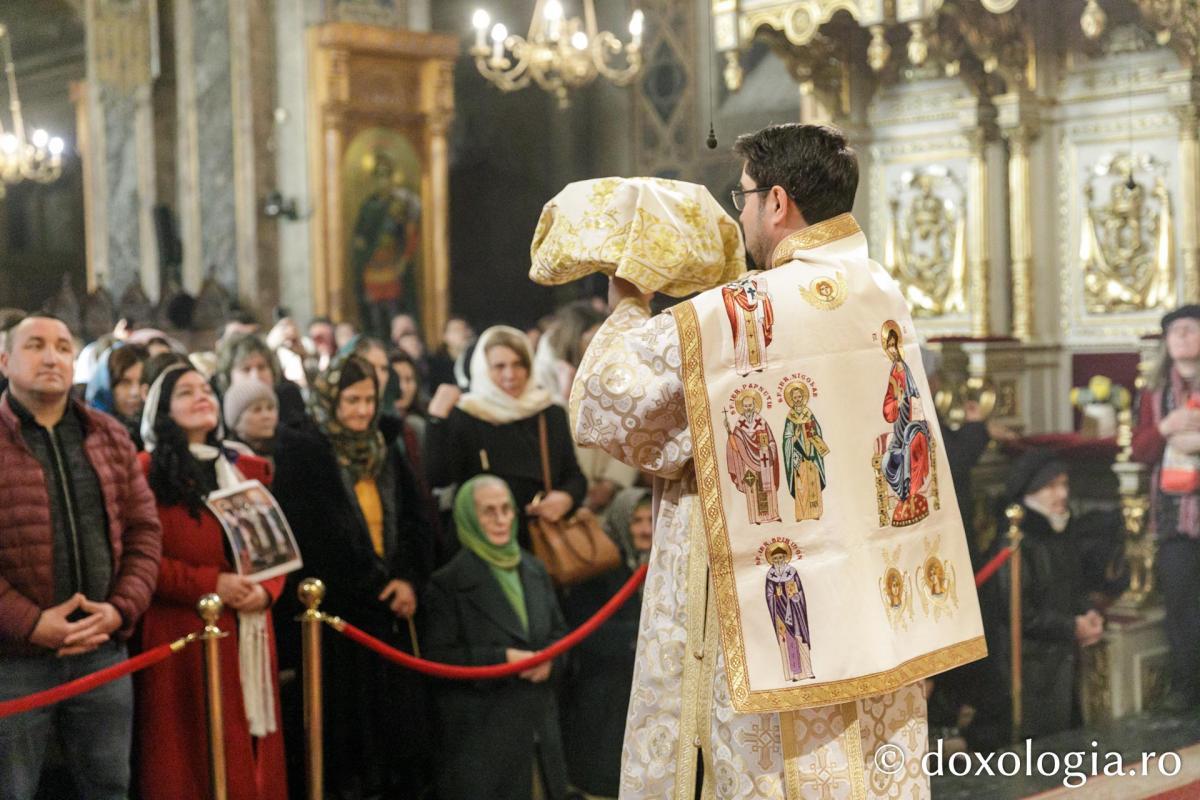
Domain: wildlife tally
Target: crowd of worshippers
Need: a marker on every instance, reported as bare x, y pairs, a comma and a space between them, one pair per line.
408, 477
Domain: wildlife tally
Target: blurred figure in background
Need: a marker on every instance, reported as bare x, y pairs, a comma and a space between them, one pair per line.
1167, 440
247, 357
116, 387
457, 336
288, 345
599, 673
320, 344
252, 416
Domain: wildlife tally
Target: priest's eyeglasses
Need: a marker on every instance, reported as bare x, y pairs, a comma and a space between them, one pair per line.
738, 196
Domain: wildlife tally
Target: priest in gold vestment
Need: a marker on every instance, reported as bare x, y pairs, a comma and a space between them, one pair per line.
708, 685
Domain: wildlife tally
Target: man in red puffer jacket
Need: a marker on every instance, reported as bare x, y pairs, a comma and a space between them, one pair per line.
80, 545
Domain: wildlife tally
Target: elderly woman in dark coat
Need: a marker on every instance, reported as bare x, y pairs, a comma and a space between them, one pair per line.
1065, 561
353, 508
599, 674
494, 604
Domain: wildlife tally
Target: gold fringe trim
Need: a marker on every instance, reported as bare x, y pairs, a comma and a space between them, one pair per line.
792, 781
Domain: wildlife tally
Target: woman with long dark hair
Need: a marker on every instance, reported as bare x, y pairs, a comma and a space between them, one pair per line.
184, 462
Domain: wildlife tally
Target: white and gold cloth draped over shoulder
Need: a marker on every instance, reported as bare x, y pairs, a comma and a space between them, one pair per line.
661, 235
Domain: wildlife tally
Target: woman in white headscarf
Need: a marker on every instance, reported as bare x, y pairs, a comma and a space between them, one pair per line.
495, 429
185, 460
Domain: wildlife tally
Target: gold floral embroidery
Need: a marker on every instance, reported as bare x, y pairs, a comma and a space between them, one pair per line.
663, 235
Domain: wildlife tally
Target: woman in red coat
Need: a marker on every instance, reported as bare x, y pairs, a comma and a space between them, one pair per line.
184, 462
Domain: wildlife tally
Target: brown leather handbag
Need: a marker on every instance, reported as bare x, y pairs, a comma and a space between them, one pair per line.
574, 548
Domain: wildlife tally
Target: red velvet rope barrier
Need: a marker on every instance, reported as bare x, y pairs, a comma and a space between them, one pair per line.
496, 670
992, 567
87, 682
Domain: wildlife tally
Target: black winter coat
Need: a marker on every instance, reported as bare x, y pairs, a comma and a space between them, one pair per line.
491, 730
1058, 570
599, 677
453, 447
376, 729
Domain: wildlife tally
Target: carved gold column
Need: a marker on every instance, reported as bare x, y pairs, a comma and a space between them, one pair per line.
1020, 231
438, 102
979, 214
1189, 201
1017, 116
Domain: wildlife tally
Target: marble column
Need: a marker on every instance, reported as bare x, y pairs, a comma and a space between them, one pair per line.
291, 153
208, 219
221, 143
1021, 233
119, 147
1189, 201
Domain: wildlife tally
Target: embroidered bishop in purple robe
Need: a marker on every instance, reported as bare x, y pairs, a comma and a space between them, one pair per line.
789, 616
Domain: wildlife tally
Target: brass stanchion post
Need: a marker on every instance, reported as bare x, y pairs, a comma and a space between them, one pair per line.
209, 608
311, 592
1015, 514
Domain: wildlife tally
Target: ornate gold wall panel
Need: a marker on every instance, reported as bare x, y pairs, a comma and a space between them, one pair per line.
920, 229
397, 86
1062, 88
926, 248
1112, 298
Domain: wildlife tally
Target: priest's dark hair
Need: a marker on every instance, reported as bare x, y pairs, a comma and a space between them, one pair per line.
812, 163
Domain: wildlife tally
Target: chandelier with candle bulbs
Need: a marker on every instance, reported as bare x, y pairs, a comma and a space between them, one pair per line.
558, 54
37, 157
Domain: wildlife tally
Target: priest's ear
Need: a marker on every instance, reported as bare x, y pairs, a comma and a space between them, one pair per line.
781, 210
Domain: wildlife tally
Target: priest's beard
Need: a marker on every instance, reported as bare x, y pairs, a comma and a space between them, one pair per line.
758, 249
1058, 522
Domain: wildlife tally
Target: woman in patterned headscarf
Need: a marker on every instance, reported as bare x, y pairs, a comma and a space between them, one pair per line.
356, 515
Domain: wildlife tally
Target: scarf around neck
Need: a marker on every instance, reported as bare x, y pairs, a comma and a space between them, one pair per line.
502, 560
489, 402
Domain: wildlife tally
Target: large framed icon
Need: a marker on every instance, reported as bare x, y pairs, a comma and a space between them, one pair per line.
380, 102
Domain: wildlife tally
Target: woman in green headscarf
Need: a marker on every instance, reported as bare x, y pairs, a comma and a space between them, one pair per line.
491, 604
